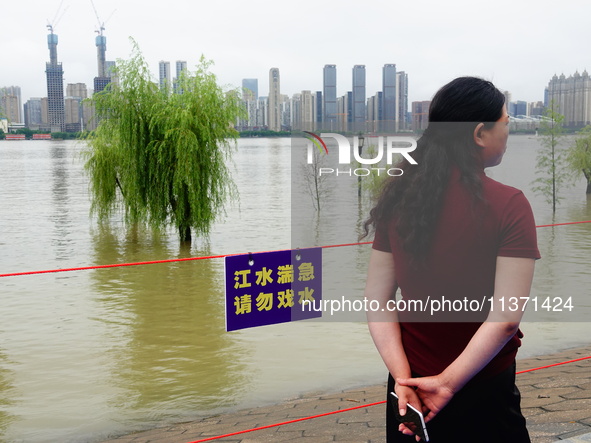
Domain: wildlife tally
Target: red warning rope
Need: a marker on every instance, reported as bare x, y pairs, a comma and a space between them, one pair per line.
174, 260
554, 364
153, 262
287, 422
563, 224
355, 407
115, 265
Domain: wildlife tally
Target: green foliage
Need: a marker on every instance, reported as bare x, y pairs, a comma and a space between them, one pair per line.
550, 161
264, 133
578, 156
66, 135
28, 132
160, 157
2, 135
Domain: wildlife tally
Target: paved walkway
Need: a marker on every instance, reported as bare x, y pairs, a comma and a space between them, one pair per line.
556, 402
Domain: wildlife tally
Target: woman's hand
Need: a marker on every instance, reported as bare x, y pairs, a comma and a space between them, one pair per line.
406, 394
433, 393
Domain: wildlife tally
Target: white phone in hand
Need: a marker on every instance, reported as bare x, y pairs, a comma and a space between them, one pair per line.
413, 419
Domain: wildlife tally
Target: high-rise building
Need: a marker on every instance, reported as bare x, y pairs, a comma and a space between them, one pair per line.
293, 110
110, 65
345, 112
274, 100
33, 116
420, 115
329, 97
250, 120
10, 104
535, 108
77, 90
75, 93
284, 112
104, 76
45, 113
73, 114
101, 54
76, 122
375, 112
358, 98
318, 106
546, 95
307, 111
89, 118
86, 117
181, 66
388, 98
55, 86
164, 75
250, 96
250, 89
401, 101
100, 83
507, 95
571, 97
518, 108
262, 119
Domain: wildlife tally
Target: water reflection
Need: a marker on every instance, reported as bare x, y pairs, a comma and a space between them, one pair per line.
166, 325
62, 224
7, 395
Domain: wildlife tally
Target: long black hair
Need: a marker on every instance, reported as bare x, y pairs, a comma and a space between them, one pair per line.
414, 199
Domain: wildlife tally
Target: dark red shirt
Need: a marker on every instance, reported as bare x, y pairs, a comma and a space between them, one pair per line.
460, 266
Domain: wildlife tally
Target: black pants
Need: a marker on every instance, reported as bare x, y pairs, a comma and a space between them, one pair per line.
485, 411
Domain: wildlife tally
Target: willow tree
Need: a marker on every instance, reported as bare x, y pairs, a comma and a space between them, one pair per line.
161, 158
578, 156
550, 160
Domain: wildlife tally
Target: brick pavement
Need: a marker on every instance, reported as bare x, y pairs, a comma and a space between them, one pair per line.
555, 401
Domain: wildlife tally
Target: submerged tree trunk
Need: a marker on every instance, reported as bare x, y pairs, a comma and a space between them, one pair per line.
588, 177
185, 233
185, 225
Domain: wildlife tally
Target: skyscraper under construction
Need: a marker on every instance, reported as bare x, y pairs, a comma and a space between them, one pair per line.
55, 86
103, 78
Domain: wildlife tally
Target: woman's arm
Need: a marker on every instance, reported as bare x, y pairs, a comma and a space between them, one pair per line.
383, 325
513, 278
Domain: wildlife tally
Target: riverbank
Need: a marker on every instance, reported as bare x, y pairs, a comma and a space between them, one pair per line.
556, 402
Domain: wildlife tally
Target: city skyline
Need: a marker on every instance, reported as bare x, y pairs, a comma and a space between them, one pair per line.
432, 42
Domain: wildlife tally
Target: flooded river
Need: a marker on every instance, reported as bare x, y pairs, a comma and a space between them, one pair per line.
89, 354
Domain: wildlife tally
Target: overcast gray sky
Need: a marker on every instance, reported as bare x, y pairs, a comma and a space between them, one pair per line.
517, 44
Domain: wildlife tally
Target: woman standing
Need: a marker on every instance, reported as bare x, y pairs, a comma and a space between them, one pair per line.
445, 232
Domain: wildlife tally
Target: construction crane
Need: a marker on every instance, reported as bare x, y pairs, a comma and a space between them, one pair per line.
101, 25
52, 38
57, 17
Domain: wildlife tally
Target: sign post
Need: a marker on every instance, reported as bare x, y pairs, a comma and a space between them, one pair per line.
272, 287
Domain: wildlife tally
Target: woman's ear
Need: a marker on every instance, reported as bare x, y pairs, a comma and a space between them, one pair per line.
478, 135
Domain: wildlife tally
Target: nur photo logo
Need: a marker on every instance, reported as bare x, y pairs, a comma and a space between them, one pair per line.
387, 147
